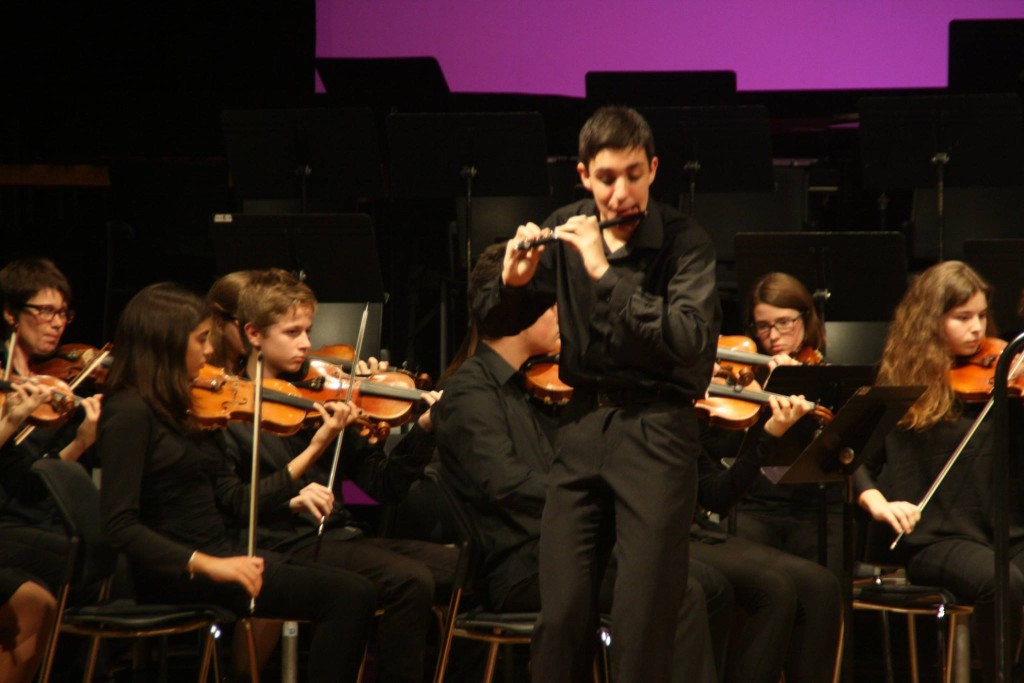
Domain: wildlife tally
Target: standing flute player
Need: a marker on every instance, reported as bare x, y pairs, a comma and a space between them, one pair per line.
639, 319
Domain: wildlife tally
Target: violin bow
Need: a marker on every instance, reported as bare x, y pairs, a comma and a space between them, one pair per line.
357, 354
257, 415
8, 364
956, 453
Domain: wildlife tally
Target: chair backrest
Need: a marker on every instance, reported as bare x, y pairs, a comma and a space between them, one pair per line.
78, 502
469, 560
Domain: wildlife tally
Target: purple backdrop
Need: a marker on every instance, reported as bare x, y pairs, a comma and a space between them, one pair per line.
546, 46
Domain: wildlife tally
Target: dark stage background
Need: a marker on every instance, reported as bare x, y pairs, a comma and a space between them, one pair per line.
113, 156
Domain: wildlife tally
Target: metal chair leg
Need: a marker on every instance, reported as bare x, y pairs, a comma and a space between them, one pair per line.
492, 660
209, 647
912, 640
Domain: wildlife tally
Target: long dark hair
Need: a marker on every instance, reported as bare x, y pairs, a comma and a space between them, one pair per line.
151, 344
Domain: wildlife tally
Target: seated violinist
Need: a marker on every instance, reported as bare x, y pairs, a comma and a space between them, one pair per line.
36, 313
276, 311
942, 321
788, 606
162, 505
27, 608
229, 348
786, 326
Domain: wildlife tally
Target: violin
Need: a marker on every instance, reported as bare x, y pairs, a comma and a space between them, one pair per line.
343, 354
53, 411
737, 356
219, 398
387, 397
972, 378
70, 361
738, 407
541, 381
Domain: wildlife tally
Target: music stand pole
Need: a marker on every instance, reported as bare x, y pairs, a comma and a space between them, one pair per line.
468, 172
940, 160
1000, 506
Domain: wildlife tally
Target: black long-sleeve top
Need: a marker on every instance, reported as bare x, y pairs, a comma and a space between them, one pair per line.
495, 450
650, 322
157, 496
385, 476
961, 506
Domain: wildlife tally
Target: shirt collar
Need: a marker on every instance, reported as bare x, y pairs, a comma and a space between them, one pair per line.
648, 235
495, 364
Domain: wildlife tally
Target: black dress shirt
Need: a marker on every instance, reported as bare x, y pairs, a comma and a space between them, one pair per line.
650, 322
495, 453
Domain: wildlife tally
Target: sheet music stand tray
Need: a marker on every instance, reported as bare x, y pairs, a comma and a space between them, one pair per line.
857, 430
385, 83
961, 140
715, 149
302, 159
661, 88
832, 267
335, 254
467, 155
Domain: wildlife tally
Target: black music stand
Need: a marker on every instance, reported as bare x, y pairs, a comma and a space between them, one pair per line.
718, 149
661, 88
830, 386
986, 55
961, 140
466, 155
335, 254
832, 265
857, 430
385, 83
302, 159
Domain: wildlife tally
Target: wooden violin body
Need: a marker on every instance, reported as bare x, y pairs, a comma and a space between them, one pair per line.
972, 379
342, 355
69, 361
541, 381
218, 398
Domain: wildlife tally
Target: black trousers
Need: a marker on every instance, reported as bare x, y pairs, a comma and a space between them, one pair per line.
792, 531
790, 612
340, 604
967, 569
406, 574
623, 475
708, 600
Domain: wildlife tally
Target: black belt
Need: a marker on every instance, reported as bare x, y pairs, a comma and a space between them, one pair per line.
625, 397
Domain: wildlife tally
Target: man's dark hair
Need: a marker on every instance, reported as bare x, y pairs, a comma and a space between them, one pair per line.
615, 128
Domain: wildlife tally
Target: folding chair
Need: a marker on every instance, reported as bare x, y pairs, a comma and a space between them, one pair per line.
91, 562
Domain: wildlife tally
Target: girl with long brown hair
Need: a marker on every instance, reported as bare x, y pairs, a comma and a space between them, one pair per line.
942, 321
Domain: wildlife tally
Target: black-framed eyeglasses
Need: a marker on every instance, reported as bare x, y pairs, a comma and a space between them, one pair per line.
48, 313
783, 325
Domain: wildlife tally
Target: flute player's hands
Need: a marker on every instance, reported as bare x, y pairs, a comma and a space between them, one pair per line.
520, 265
